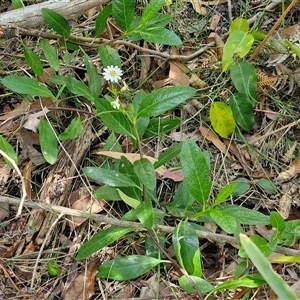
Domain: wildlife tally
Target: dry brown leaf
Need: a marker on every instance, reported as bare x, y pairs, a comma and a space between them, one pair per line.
178, 136
83, 285
293, 170
197, 82
27, 179
20, 108
132, 157
198, 5
174, 174
288, 155
177, 75
4, 176
285, 202
33, 120
47, 73
209, 135
82, 200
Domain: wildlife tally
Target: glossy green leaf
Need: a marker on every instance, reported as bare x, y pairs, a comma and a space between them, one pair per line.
51, 54
186, 245
242, 110
109, 177
109, 56
53, 268
290, 233
239, 24
145, 171
102, 239
261, 244
33, 61
128, 267
203, 285
196, 171
160, 36
244, 78
238, 44
7, 148
159, 126
222, 119
245, 215
101, 20
114, 119
95, 83
77, 87
57, 22
73, 131
225, 192
159, 20
151, 10
249, 280
48, 142
224, 219
277, 221
17, 4
132, 202
268, 185
168, 155
262, 264
123, 12
144, 213
107, 192
162, 100
26, 85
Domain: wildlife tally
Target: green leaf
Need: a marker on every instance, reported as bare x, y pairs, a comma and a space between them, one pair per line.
145, 171
243, 186
268, 185
159, 126
168, 155
17, 4
144, 213
109, 177
128, 267
238, 43
249, 280
123, 12
107, 192
287, 259
186, 245
242, 110
101, 20
222, 119
277, 221
225, 192
261, 244
73, 131
102, 239
262, 264
160, 36
95, 83
295, 48
132, 202
51, 54
7, 148
77, 87
245, 215
48, 142
57, 22
113, 118
244, 78
33, 61
53, 268
291, 232
196, 171
224, 219
159, 101
203, 285
151, 10
26, 85
239, 24
109, 56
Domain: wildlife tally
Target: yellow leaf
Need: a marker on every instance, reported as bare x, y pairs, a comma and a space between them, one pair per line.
221, 118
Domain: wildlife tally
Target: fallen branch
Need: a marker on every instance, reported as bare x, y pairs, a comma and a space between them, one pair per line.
31, 16
113, 221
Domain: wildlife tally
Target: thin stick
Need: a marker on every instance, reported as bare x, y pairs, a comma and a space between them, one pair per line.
257, 50
23, 193
113, 221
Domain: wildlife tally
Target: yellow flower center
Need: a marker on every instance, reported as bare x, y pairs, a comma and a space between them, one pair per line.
113, 73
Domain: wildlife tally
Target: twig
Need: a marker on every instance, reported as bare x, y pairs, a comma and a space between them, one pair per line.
257, 50
113, 221
23, 193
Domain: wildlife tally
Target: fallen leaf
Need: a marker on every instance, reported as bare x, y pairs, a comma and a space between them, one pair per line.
4, 176
293, 170
177, 74
19, 109
198, 5
33, 120
174, 174
196, 82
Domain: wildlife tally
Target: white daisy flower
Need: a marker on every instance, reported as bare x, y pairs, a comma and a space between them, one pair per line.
116, 104
112, 73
